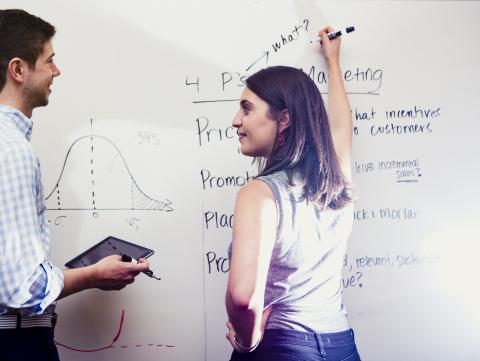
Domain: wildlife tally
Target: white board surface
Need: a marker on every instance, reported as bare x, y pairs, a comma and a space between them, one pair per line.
137, 143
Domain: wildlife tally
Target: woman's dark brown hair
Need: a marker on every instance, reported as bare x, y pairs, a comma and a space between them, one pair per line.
308, 149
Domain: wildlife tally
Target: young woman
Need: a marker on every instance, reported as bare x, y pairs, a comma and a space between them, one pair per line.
292, 222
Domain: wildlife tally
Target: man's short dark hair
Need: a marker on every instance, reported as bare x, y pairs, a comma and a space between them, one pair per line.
22, 35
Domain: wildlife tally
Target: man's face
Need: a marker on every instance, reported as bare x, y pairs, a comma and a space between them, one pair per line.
38, 80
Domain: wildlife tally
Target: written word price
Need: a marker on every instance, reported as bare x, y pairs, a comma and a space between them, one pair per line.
207, 134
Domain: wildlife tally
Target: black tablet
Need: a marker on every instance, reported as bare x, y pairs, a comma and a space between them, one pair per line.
107, 247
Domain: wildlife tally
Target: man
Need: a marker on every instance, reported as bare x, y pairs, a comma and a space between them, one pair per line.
29, 283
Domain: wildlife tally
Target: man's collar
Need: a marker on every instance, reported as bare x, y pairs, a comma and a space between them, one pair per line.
23, 124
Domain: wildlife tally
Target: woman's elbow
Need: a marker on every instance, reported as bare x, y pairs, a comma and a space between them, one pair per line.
243, 298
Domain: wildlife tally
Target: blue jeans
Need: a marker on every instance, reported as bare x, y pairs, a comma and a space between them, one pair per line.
291, 345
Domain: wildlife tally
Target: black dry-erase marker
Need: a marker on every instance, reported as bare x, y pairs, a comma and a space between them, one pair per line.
336, 34
149, 273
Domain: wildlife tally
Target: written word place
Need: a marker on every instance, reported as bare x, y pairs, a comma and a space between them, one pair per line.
214, 219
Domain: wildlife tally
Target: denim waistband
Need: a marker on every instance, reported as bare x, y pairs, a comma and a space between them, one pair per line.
334, 339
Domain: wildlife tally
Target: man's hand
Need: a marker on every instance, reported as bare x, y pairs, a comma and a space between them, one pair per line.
113, 274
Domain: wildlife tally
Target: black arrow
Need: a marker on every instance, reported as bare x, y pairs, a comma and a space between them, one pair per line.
265, 54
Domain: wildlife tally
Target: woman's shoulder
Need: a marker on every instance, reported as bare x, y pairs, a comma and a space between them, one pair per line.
257, 189
254, 199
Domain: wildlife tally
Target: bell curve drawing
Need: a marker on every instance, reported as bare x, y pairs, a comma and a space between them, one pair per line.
88, 183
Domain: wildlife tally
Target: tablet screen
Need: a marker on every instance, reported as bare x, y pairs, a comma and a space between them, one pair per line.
107, 247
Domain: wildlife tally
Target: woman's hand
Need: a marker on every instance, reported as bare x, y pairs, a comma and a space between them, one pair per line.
330, 48
236, 344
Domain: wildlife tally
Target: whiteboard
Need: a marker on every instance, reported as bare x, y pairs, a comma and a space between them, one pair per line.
137, 143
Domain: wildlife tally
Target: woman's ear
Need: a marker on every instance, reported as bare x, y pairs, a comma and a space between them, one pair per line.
284, 121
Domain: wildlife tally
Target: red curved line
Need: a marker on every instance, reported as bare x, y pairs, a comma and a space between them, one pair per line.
101, 348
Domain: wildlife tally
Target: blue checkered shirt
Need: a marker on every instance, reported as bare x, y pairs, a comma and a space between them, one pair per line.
28, 280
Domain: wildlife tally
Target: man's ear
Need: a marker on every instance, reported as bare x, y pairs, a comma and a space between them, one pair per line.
16, 69
284, 121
